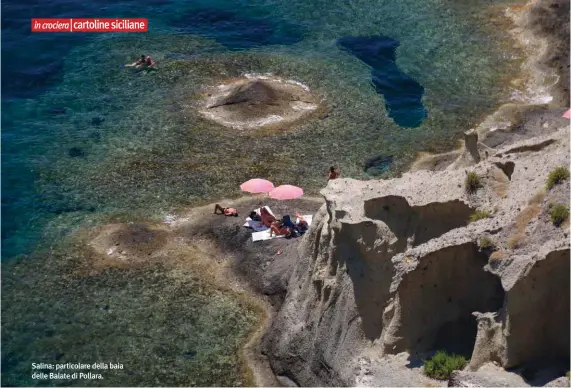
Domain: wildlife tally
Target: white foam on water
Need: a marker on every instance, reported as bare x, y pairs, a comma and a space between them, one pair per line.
268, 76
302, 85
267, 120
532, 96
300, 105
258, 76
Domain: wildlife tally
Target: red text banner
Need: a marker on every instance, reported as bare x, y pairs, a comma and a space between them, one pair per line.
90, 25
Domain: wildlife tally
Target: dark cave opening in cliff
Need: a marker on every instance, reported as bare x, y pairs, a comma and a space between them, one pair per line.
457, 337
539, 318
438, 300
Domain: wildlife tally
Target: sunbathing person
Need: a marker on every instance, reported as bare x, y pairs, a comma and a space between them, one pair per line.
286, 221
227, 211
302, 224
279, 229
255, 217
266, 216
298, 228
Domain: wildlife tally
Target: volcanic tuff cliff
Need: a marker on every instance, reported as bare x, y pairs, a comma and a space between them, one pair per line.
393, 270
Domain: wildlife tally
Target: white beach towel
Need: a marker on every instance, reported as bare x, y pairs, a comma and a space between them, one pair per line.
256, 225
264, 235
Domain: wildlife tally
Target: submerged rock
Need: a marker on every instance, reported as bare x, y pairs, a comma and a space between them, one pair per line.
56, 111
378, 165
97, 121
252, 103
76, 152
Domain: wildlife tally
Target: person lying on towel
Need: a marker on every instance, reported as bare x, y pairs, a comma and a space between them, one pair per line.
266, 216
255, 217
227, 211
299, 228
302, 224
279, 229
286, 221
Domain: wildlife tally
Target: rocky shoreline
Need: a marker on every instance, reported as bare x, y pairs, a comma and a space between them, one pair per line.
316, 339
340, 306
222, 253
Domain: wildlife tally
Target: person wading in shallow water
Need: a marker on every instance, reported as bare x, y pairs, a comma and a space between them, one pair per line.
227, 211
333, 173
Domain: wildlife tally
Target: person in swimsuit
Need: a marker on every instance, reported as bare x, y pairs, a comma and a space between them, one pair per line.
333, 173
227, 211
149, 62
266, 216
279, 229
146, 63
255, 217
138, 63
301, 223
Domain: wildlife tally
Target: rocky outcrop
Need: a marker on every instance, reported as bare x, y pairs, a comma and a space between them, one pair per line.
259, 102
392, 270
489, 375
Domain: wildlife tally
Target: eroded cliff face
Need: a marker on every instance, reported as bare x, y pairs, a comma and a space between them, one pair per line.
394, 270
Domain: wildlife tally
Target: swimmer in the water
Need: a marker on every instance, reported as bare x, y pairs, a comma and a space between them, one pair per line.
143, 62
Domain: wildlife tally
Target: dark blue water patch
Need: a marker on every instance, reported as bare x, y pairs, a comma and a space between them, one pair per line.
403, 95
33, 62
378, 165
27, 79
236, 31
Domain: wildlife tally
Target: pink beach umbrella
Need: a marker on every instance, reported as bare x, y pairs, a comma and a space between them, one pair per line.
286, 192
567, 114
257, 185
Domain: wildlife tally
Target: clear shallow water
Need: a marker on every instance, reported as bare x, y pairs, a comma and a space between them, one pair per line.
84, 140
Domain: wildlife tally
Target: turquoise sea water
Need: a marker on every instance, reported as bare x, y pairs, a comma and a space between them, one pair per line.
85, 141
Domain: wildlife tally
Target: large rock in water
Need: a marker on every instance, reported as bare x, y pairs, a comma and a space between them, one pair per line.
392, 270
259, 102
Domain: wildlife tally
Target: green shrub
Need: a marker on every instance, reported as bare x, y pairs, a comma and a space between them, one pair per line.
479, 215
472, 182
558, 213
486, 242
442, 364
557, 176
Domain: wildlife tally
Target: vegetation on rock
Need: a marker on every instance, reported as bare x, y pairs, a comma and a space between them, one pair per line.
473, 182
479, 215
486, 242
558, 214
442, 364
557, 176
516, 241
